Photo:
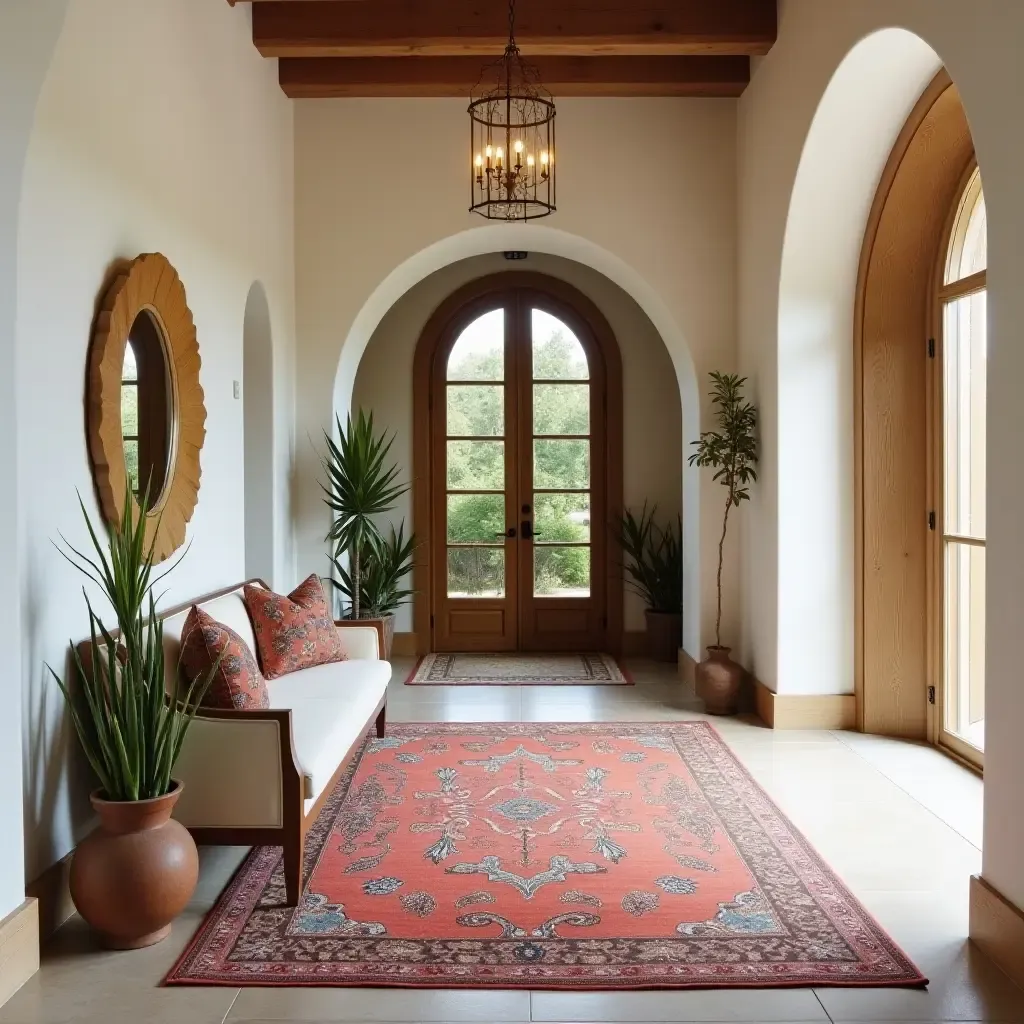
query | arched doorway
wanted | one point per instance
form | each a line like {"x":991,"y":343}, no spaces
{"x":518,"y":469}
{"x":258,"y":417}
{"x":899,"y":418}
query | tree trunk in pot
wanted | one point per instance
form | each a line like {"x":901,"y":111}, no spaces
{"x":132,"y":876}
{"x":664,"y":634}
{"x":718,"y":682}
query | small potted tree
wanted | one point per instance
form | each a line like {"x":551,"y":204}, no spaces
{"x":731,"y":451}
{"x":362,"y":487}
{"x":135,"y":873}
{"x":382,"y":572}
{"x":654,"y":571}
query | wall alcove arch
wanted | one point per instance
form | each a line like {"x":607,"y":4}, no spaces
{"x":892,"y":410}
{"x":258,"y":432}
{"x":604,"y":610}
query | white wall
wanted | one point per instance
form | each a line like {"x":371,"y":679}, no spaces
{"x":28,"y":34}
{"x":159,"y":127}
{"x":652,"y":422}
{"x":979,"y":44}
{"x":646,"y":196}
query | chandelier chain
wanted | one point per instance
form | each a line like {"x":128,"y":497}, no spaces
{"x":512,"y":48}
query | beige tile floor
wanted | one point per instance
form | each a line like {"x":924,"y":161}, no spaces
{"x":899,"y":822}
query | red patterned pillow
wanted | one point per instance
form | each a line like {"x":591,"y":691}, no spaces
{"x":293,"y":632}
{"x":238,"y":683}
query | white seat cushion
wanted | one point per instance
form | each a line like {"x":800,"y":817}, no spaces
{"x":330,"y":706}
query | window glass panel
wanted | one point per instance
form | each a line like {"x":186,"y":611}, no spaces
{"x":561,"y":518}
{"x":129,"y":369}
{"x":557,"y":352}
{"x":476,"y":572}
{"x":968,"y":242}
{"x":131,"y":462}
{"x":479,"y":351}
{"x":475,"y":518}
{"x":964,"y":704}
{"x":476,"y":410}
{"x":964,"y":359}
{"x":476,"y":465}
{"x":561,"y":408}
{"x":561,"y":572}
{"x":560,"y":464}
{"x":130,"y":410}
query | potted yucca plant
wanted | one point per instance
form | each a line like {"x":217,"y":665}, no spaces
{"x":731,"y":451}
{"x":654,"y":571}
{"x":361,"y":486}
{"x":134,"y":874}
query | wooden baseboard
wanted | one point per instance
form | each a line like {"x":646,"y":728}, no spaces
{"x":52,"y":890}
{"x":997,"y":929}
{"x":805,"y":711}
{"x":19,"y":948}
{"x":405,"y":645}
{"x":687,"y":668}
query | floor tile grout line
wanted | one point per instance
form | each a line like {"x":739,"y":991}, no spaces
{"x":822,"y":1005}
{"x":227,"y":1012}
{"x":906,"y":791}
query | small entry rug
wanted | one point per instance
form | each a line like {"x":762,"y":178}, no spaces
{"x":594,"y":856}
{"x":518,"y":670}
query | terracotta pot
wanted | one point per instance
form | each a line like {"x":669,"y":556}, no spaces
{"x":664,"y":634}
{"x":133,"y":875}
{"x":718,"y":682}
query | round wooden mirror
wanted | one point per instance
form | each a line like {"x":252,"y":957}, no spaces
{"x":146,"y":416}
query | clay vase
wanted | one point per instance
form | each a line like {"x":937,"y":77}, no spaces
{"x":132,"y":876}
{"x":664,"y":634}
{"x":718,"y":682}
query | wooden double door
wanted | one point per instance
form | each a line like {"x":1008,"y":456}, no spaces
{"x":519,"y":477}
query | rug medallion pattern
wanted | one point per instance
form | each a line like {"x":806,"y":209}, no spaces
{"x":546,"y":856}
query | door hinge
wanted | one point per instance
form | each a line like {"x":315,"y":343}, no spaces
{"x":931,"y":520}
{"x":931,"y":348}
{"x":931,"y":694}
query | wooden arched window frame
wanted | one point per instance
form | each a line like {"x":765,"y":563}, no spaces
{"x":589,"y":324}
{"x":957,"y":396}
{"x":893,"y":465}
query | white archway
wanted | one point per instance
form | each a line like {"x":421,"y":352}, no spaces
{"x":28,"y":37}
{"x":856,"y":123}
{"x":258,"y":419}
{"x":537,"y":238}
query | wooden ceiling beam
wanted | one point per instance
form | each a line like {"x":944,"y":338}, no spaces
{"x":449,"y":28}
{"x":333,"y":77}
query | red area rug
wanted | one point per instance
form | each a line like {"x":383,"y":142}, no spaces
{"x":562,"y":856}
{"x":518,"y":670}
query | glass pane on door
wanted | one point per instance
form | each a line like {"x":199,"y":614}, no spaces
{"x":475,"y":457}
{"x":561,"y":460}
{"x":964,"y":382}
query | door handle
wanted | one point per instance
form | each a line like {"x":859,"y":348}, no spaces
{"x":527,"y":530}
{"x":510,"y":533}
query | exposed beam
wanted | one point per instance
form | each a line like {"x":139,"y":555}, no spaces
{"x":439,"y":28}
{"x":322,"y":77}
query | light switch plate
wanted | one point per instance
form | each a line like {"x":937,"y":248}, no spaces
{"x":236,"y":388}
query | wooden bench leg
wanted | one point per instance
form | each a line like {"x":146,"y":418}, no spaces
{"x":293,"y":851}
{"x":382,"y":721}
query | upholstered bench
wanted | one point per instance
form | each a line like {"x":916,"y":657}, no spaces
{"x":261,"y":777}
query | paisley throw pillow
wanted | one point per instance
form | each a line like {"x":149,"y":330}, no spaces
{"x":238,"y":683}
{"x":293,"y":632}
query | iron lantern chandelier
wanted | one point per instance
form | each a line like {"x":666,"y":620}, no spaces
{"x":512,"y":139}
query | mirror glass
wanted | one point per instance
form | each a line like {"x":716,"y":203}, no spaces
{"x":145,"y":408}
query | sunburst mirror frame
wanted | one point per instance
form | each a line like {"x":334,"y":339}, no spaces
{"x":149,"y":284}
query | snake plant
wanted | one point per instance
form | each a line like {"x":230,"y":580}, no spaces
{"x":654,"y":560}
{"x":130,"y":731}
